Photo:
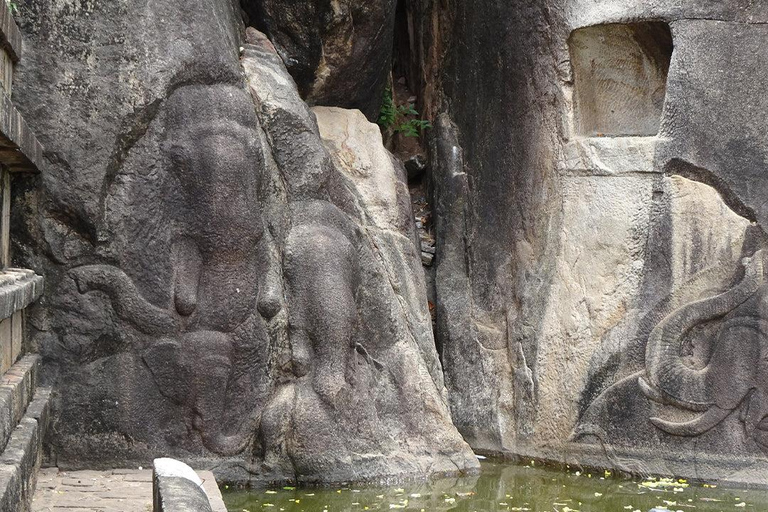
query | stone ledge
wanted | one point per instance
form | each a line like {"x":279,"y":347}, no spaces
{"x":177,"y":488}
{"x":20,"y":461}
{"x":11,"y":488}
{"x":608,"y":156}
{"x":16,"y":389}
{"x":18,"y":289}
{"x":10,"y":35}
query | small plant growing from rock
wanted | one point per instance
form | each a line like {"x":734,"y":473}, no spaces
{"x":401,"y":118}
{"x":13,"y":6}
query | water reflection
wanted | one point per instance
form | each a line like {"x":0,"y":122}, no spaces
{"x":502,"y":487}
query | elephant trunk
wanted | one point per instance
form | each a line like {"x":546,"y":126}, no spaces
{"x":677,"y":382}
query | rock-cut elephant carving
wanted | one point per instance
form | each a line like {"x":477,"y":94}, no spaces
{"x":201,"y":343}
{"x":735,"y":375}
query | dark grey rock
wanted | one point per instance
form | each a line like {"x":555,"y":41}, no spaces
{"x":339,"y":53}
{"x":219,"y":287}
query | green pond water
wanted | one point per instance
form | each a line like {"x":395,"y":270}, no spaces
{"x":504,"y":486}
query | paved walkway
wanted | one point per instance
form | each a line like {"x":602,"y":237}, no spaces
{"x":118,"y":490}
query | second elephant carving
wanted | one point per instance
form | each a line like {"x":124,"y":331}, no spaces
{"x":735,"y":375}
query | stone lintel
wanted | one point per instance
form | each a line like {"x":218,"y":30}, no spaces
{"x":608,"y":156}
{"x":10,"y":35}
{"x":18,"y":289}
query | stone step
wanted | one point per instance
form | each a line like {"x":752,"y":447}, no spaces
{"x":17,"y":386}
{"x":21,"y":458}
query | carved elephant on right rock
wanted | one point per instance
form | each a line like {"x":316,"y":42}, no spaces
{"x":731,"y":376}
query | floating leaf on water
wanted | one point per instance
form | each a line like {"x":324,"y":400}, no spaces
{"x":289,"y":488}
{"x":270,"y":492}
{"x":742,"y":504}
{"x":598,"y":494}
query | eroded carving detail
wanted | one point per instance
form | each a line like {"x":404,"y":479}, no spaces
{"x":218,"y":283}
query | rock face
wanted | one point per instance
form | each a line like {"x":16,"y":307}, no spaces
{"x":600,"y":287}
{"x":224,"y":286}
{"x":338,"y":51}
{"x":233,"y":277}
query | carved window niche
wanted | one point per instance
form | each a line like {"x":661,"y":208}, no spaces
{"x":620,"y":78}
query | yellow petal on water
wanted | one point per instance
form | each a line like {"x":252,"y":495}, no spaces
{"x":742,"y":504}
{"x":270,"y":492}
{"x":598,"y":494}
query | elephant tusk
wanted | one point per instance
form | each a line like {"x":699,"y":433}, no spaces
{"x":696,"y":427}
{"x":649,"y":391}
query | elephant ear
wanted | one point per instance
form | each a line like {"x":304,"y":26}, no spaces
{"x":164,"y":361}
{"x":733,"y":367}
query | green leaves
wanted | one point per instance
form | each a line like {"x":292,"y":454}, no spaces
{"x":401,"y":119}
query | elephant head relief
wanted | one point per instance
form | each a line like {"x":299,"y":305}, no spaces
{"x":735,"y":375}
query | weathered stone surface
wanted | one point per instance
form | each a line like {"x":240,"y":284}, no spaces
{"x":358,"y":357}
{"x":16,"y":391}
{"x":339,"y":52}
{"x":115,"y":490}
{"x":18,"y":289}
{"x":570,"y":264}
{"x":11,"y":489}
{"x":177,"y":488}
{"x":224,"y":286}
{"x":22,"y":454}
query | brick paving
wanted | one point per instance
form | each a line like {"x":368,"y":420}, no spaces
{"x":118,"y":490}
